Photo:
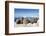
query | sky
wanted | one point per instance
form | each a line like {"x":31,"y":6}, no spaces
{"x":18,"y":12}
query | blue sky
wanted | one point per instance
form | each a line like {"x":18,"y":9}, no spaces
{"x":25,"y":12}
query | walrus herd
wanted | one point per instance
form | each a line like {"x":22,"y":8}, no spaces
{"x":26,"y":20}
